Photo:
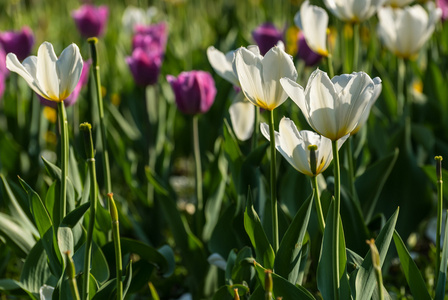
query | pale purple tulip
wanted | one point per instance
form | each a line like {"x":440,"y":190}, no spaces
{"x":145,"y":66}
{"x":267,"y":36}
{"x":70,"y":100}
{"x":310,"y":57}
{"x":443,"y":5}
{"x":151,"y":37}
{"x":18,"y":42}
{"x":194,"y":91}
{"x":91,"y":20}
{"x":3,"y":69}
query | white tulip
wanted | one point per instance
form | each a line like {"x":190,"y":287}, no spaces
{"x":376,"y":93}
{"x":46,"y":292}
{"x":333,"y":107}
{"x":51,"y":77}
{"x":354,"y":11}
{"x":293,"y":145}
{"x":259,"y":76}
{"x":404,"y":31}
{"x":313,"y":21}
{"x":222,"y":64}
{"x":397,"y":3}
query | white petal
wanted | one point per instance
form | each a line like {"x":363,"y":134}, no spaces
{"x":242,"y":116}
{"x":47,"y":75}
{"x":46,"y":292}
{"x":249,"y":69}
{"x":313,"y":21}
{"x":25,"y":71}
{"x":69,"y":68}
{"x":222,"y":64}
{"x":296,"y":93}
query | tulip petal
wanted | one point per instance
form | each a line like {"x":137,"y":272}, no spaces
{"x":296,"y":93}
{"x":242,"y":116}
{"x":47,"y":75}
{"x":276,"y":64}
{"x":27,"y":70}
{"x":222,"y":64}
{"x":69,"y":68}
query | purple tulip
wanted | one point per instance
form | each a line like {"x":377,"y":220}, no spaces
{"x":3,"y":70}
{"x":91,"y":20}
{"x":151,"y":37}
{"x":310,"y":57}
{"x":267,"y":36}
{"x":194,"y":91}
{"x":443,"y":5}
{"x":145,"y":66}
{"x":18,"y":42}
{"x":70,"y":100}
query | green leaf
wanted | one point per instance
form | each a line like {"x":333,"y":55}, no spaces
{"x":263,"y":249}
{"x":282,"y":287}
{"x":363,"y":281}
{"x":11,"y":285}
{"x":288,"y":258}
{"x":128,"y":279}
{"x":411,"y":271}
{"x":325,"y":265}
{"x":35,"y":272}
{"x":441,"y":282}
{"x":431,"y":173}
{"x":99,"y":267}
{"x":16,"y":237}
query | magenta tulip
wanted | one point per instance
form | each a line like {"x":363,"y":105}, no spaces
{"x":267,"y":36}
{"x":194,"y":91}
{"x":443,"y":5}
{"x":91,"y":20}
{"x":18,"y":42}
{"x":145,"y":66}
{"x":151,"y":38}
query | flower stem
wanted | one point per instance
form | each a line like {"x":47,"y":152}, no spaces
{"x":96,"y":73}
{"x":64,"y":160}
{"x":337,"y":207}
{"x":351,"y":169}
{"x":256,"y":128}
{"x":439,"y":213}
{"x":197,"y":158}
{"x":401,"y":87}
{"x":320,"y":215}
{"x":273,"y":185}
{"x":355,"y":46}
{"x":72,"y":276}
{"x":330,"y":66}
{"x":117,"y":245}
{"x":90,"y":153}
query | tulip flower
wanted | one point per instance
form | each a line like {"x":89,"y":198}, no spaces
{"x":293,"y":145}
{"x":3,"y":69}
{"x":313,"y":21}
{"x":365,"y":115}
{"x":305,"y":53}
{"x":194,"y":91}
{"x":333,"y":107}
{"x":151,"y":38}
{"x":353,"y":11}
{"x":18,"y":42}
{"x":70,"y":100}
{"x":267,"y":36}
{"x":91,"y":20}
{"x":259,"y":76}
{"x":133,"y":16}
{"x":49,"y":76}
{"x":397,"y":3}
{"x":404,"y":31}
{"x":443,"y":5}
{"x":145,"y":66}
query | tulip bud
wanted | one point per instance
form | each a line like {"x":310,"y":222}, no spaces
{"x":236,"y":296}
{"x":267,"y":36}
{"x":439,"y":167}
{"x":145,"y":66}
{"x":194,"y":91}
{"x":18,"y":42}
{"x":91,"y":20}
{"x":151,"y":38}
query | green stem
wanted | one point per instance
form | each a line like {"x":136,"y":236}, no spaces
{"x":64,"y":160}
{"x":379,"y":280}
{"x":401,"y":87}
{"x":320,"y":215}
{"x":197,"y":158}
{"x":90,"y":153}
{"x":439,"y":214}
{"x":330,"y":66}
{"x":99,"y":97}
{"x":351,"y":169}
{"x":72,"y":276}
{"x":256,"y":128}
{"x":337,"y":208}
{"x":117,"y":245}
{"x":355,"y":46}
{"x":273,"y":185}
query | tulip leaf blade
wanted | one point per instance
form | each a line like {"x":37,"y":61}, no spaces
{"x":263,"y":249}
{"x":288,"y":258}
{"x":441,"y":282}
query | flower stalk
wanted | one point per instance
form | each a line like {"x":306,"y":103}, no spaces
{"x":72,"y":276}
{"x":117,"y":245}
{"x":96,"y":74}
{"x":273,"y":185}
{"x":268,"y":284}
{"x":356,"y":27}
{"x":197,"y":158}
{"x":376,"y":262}
{"x":337,"y":208}
{"x":86,"y":128}
{"x":62,"y":116}
{"x":439,"y":212}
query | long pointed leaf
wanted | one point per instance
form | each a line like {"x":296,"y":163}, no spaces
{"x":441,"y":282}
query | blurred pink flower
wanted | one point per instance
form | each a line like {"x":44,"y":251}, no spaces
{"x":70,"y":100}
{"x":2,"y":84}
{"x":3,"y":70}
{"x":310,"y":57}
{"x":18,"y":42}
{"x":145,"y":66}
{"x":91,"y":20}
{"x":194,"y":91}
{"x":150,"y":37}
{"x":443,"y":5}
{"x":267,"y":36}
